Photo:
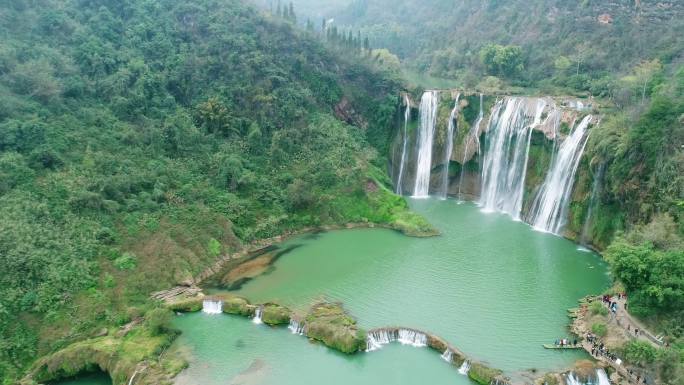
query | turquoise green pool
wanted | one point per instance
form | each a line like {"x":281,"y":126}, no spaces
{"x":231,"y":350}
{"x":493,"y":287}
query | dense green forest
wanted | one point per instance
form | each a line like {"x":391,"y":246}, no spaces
{"x":579,"y":45}
{"x":140,"y":140}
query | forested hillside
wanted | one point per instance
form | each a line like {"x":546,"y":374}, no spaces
{"x":582,"y":45}
{"x":140,"y":140}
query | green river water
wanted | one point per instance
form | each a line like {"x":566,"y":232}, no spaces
{"x":492,"y":287}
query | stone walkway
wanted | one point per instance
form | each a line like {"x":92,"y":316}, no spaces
{"x":629,"y":324}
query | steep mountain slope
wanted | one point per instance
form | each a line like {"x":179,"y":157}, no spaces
{"x":588,"y":39}
{"x":140,"y":140}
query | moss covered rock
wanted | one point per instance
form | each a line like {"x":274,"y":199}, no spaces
{"x":274,"y":314}
{"x":482,"y":374}
{"x":237,"y":306}
{"x":186,"y":305}
{"x":118,"y":356}
{"x":330,"y":324}
{"x":413,"y":225}
{"x":441,"y":345}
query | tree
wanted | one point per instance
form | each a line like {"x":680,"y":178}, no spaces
{"x":214,"y":117}
{"x":644,"y":73}
{"x":506,"y":61}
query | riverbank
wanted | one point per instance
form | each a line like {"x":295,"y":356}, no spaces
{"x":413,"y":226}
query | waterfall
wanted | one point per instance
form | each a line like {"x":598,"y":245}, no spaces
{"x":474,"y":134}
{"x":592,"y":201}
{"x":465,"y":368}
{"x":428,"y":119}
{"x":449,"y":147}
{"x":448,"y":355}
{"x":296,"y":327}
{"x":257,"y":315}
{"x":602,"y":377}
{"x":210,"y":306}
{"x":376,"y":338}
{"x":412,"y":337}
{"x":551,"y":203}
{"x":554,"y":119}
{"x":407,"y":117}
{"x":570,"y":379}
{"x":507,"y":150}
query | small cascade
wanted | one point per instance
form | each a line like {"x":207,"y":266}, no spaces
{"x":592,"y":202}
{"x":407,"y":117}
{"x":571,"y":379}
{"x":257,"y":315}
{"x":428,"y":119}
{"x":210,"y":306}
{"x":412,"y":337}
{"x":296,"y":327}
{"x":377,"y":338}
{"x":506,"y":154}
{"x":551,"y":203}
{"x":473,"y":135}
{"x":448,"y":355}
{"x":465,"y":368}
{"x":602,"y":377}
{"x":453,"y":125}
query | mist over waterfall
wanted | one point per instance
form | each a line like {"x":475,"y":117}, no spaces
{"x":449,"y":146}
{"x":212,"y":307}
{"x":426,"y":132}
{"x":407,"y":117}
{"x":473,"y":136}
{"x":550,"y":205}
{"x":506,"y":154}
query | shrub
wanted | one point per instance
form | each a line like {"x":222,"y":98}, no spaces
{"x":599,"y":329}
{"x":598,"y":308}
{"x":158,"y":321}
{"x":126,"y":262}
{"x":214,"y":247}
{"x":639,"y":352}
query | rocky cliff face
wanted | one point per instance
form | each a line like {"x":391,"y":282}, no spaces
{"x":536,"y":129}
{"x":469,"y":140}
